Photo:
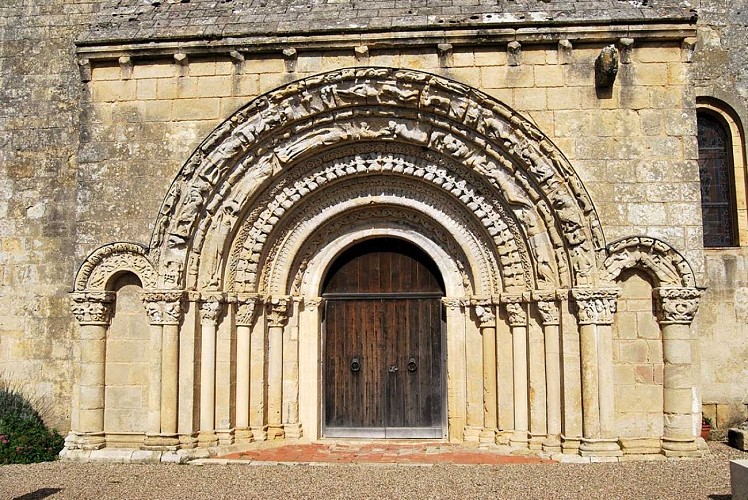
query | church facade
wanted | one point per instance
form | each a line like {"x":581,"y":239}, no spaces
{"x":510,"y":226}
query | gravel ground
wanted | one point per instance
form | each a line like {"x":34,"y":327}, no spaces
{"x":707,"y":478}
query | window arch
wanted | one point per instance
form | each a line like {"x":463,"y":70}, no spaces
{"x":722,"y":175}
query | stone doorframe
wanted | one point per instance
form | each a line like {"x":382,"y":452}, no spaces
{"x":265,"y":204}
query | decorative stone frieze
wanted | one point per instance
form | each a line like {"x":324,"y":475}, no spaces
{"x":455,"y":303}
{"x":92,"y":308}
{"x":164,"y":307}
{"x":105,"y":262}
{"x":595,"y":306}
{"x":677,"y":305}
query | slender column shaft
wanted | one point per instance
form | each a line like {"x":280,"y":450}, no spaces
{"x":242,"y":376}
{"x":605,"y":381}
{"x":170,"y":379}
{"x":548,"y":307}
{"x":154,"y":384}
{"x":210,"y":310}
{"x":93,"y":354}
{"x":490,"y":401}
{"x":207,"y":376}
{"x":516,"y":310}
{"x":456,"y":385}
{"x":277,"y":318}
{"x":590,"y":388}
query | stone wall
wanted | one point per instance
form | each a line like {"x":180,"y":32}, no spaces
{"x":720,"y":71}
{"x":39,"y":129}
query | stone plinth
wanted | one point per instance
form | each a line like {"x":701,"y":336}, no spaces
{"x":738,"y":438}
{"x":739,"y":479}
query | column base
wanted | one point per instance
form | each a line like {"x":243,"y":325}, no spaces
{"x":552,"y":443}
{"x":206,"y":439}
{"x":85,"y":441}
{"x":225,"y":437}
{"x":187,"y":441}
{"x":487,"y":437}
{"x":502,"y":438}
{"x":600,"y":448}
{"x":570,"y":445}
{"x":535,"y":442}
{"x":244,"y":436}
{"x":293,"y":431}
{"x":260,"y":433}
{"x":681,"y":448}
{"x":519,"y":439}
{"x":472,"y":434}
{"x":160,"y":442}
{"x":275,"y":431}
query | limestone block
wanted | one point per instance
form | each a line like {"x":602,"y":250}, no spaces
{"x":213,"y":86}
{"x":196,"y":109}
{"x":634,"y":351}
{"x":625,"y":324}
{"x":739,"y":479}
{"x":489,"y":57}
{"x":738,"y":438}
{"x":640,"y":446}
{"x":154,"y":70}
{"x":115,"y":90}
{"x":508,"y":77}
{"x":548,"y":76}
{"x":563,"y":97}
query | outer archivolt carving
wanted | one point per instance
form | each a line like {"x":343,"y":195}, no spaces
{"x":280,"y":129}
{"x":103,"y":263}
{"x":668,"y":267}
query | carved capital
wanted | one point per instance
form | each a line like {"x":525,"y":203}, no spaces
{"x":163,"y":307}
{"x":484,"y":311}
{"x":310,"y":304}
{"x":278,"y":310}
{"x":453,"y":303}
{"x":92,"y":308}
{"x":516,"y":308}
{"x":548,"y":305}
{"x":246,"y":309}
{"x":677,"y":305}
{"x":211,"y":306}
{"x":595,"y":306}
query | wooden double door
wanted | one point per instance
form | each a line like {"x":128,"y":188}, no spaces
{"x":383,"y":355}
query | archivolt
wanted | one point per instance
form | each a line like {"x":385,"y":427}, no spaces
{"x":278,"y":131}
{"x":660,"y":260}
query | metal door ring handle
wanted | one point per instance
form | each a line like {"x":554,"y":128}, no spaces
{"x":412,"y":365}
{"x":355,"y":365}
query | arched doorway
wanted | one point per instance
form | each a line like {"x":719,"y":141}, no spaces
{"x":383,"y":352}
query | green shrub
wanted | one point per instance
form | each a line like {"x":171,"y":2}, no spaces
{"x":24,"y":438}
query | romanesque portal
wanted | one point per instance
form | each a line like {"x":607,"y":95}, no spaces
{"x":269,"y":253}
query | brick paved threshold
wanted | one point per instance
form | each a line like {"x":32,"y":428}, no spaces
{"x":376,"y":453}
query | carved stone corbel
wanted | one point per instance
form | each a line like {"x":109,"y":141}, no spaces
{"x":677,"y":305}
{"x":92,"y":308}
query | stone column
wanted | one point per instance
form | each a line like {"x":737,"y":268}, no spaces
{"x":153,"y":309}
{"x":516,"y":308}
{"x":548,"y":307}
{"x":211,"y":306}
{"x":596,"y":308}
{"x":484,"y":312}
{"x":457,"y":380}
{"x":93,"y":311}
{"x":291,"y":426}
{"x":246,"y":308}
{"x":676,"y":308}
{"x":277,"y":313}
{"x":171,"y":309}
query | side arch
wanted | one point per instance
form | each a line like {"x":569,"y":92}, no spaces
{"x":659,"y":260}
{"x":106,"y":262}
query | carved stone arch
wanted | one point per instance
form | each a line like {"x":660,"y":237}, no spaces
{"x":487,"y":238}
{"x":108,"y":261}
{"x":658,"y":259}
{"x":280,"y":130}
{"x":304,"y":240}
